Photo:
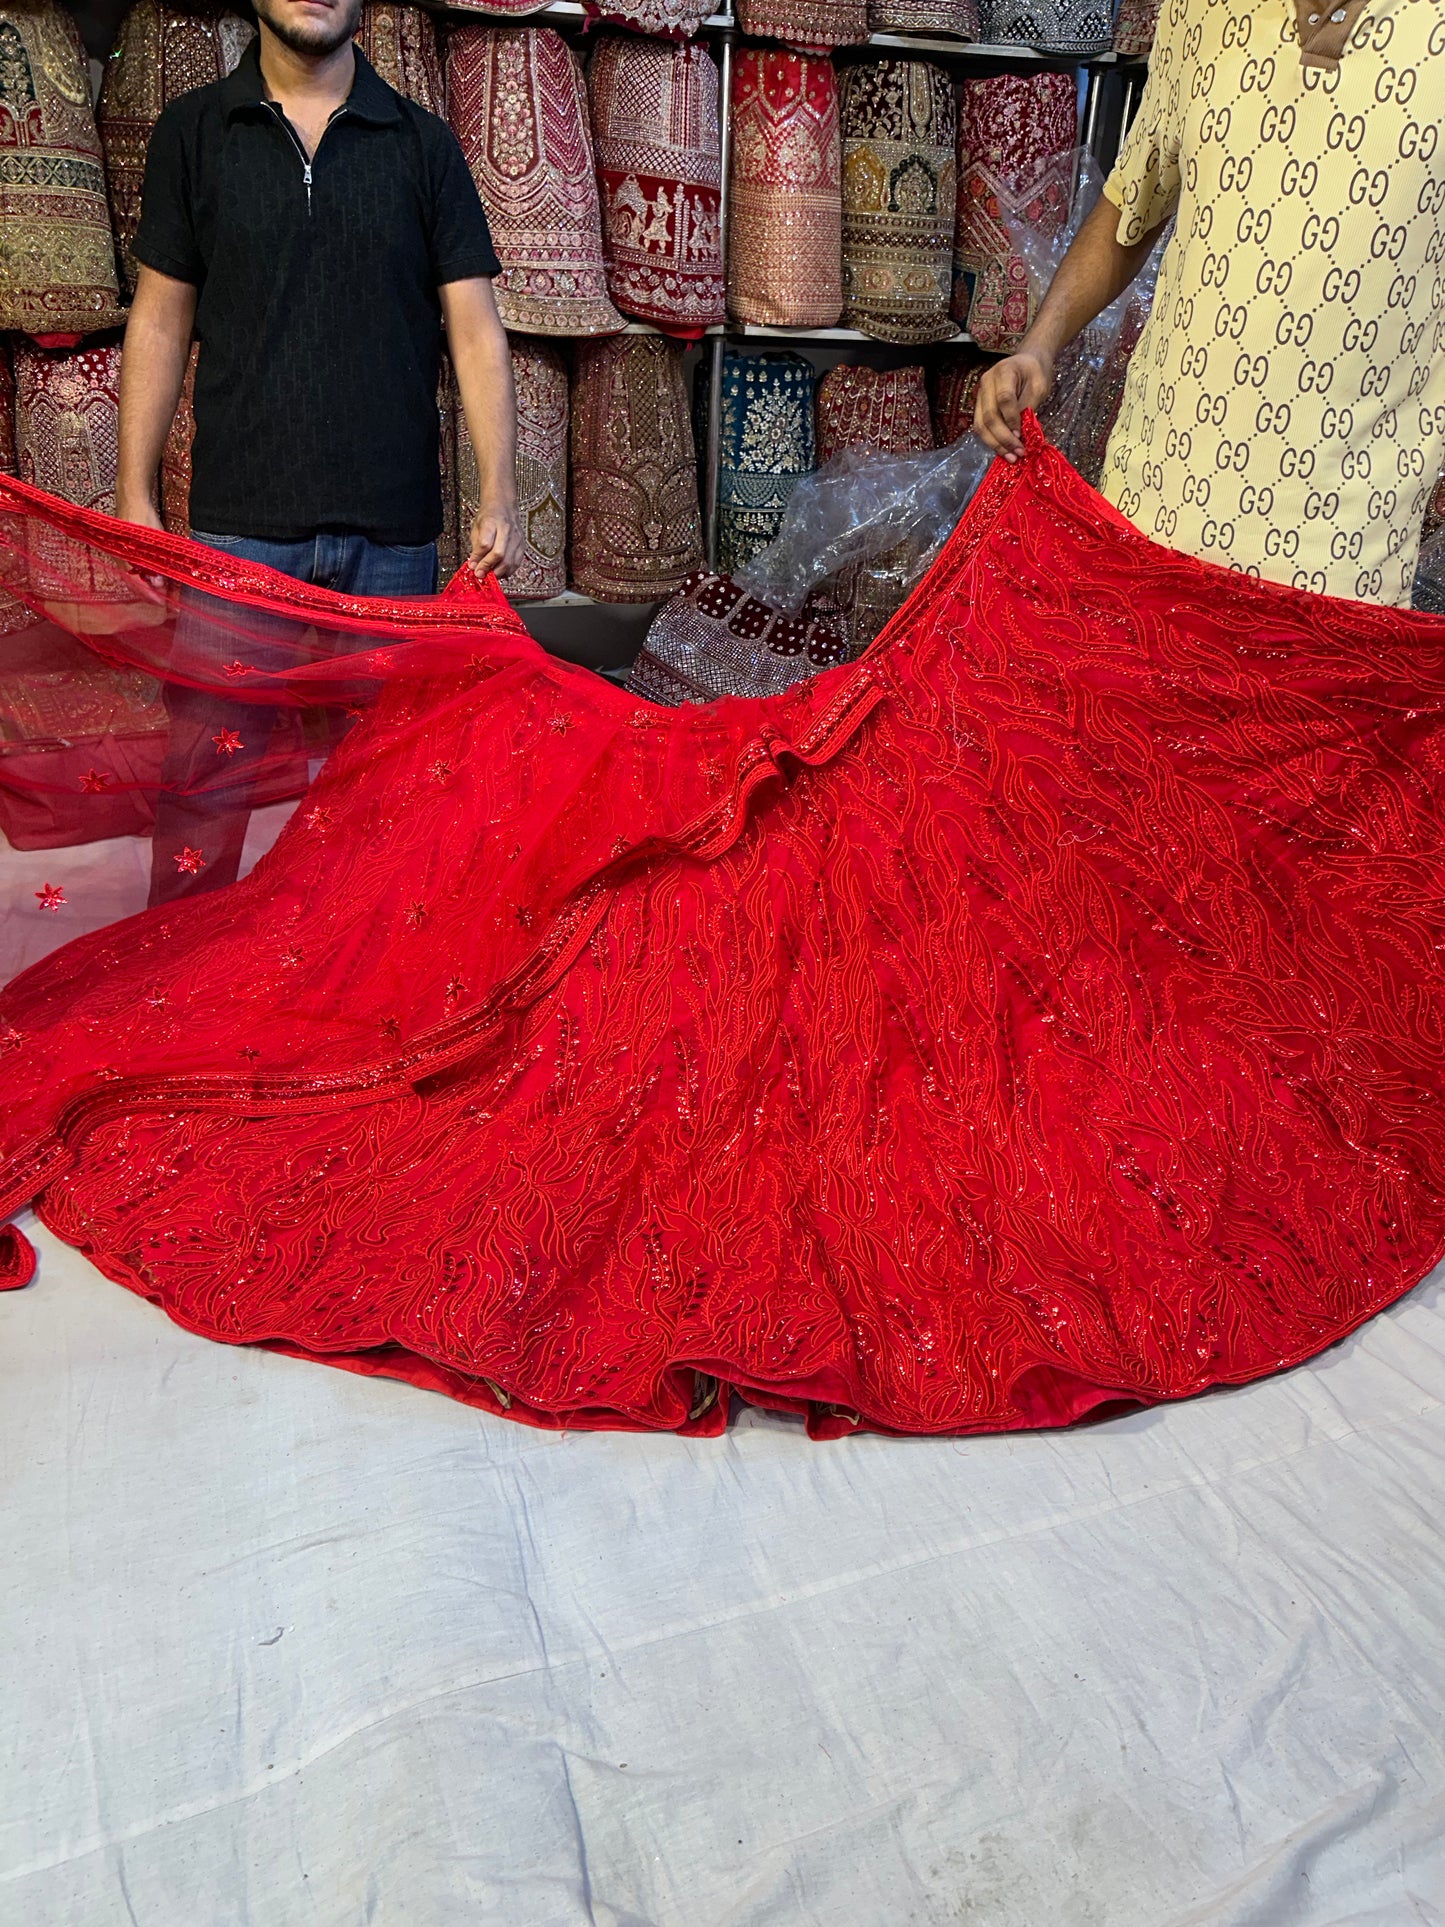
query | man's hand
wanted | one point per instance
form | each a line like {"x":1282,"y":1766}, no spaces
{"x":1007,"y":389}
{"x":496,"y":539}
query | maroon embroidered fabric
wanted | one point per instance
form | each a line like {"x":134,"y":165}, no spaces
{"x":785,"y":226}
{"x":1064,"y":979}
{"x":659,"y":169}
{"x":811,"y":26}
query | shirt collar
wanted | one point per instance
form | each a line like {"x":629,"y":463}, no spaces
{"x":370,"y":98}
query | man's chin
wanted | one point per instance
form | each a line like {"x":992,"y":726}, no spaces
{"x":315,"y":42}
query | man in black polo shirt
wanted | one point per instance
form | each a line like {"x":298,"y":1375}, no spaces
{"x":313,"y":230}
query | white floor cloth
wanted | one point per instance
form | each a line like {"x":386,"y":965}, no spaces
{"x":282,"y":1646}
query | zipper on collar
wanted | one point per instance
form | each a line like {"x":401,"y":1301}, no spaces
{"x":307,"y":160}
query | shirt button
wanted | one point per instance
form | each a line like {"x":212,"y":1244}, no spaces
{"x":1338,"y":15}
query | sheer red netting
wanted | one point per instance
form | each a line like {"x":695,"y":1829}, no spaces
{"x":1043,"y":1012}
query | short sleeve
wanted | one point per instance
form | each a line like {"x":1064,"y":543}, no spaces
{"x":166,"y":237}
{"x":1144,"y":185}
{"x":461,"y":240}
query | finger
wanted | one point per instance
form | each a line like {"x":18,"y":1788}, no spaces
{"x":486,"y":563}
{"x":996,"y":432}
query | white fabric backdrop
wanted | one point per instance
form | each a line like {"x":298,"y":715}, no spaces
{"x":282,"y":1647}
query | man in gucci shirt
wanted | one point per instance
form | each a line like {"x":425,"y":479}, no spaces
{"x":1285,"y":407}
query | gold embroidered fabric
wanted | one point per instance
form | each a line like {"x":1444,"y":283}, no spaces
{"x":160,"y":54}
{"x":57,"y":252}
{"x":540,"y":376}
{"x":636,"y":521}
{"x":401,"y":43}
{"x":900,"y":194}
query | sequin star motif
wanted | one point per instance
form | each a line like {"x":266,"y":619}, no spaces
{"x":392,"y":1026}
{"x":456,"y":990}
{"x":50,"y":896}
{"x":238,"y":668}
{"x":227,"y":743}
{"x":415,"y":914}
{"x":561,"y":724}
{"x":189,"y":861}
{"x":290,"y":959}
{"x":353,"y":710}
{"x":249,"y":1051}
{"x":94,"y":781}
{"x":319,"y":818}
{"x":441,"y":771}
{"x":10,"y":1038}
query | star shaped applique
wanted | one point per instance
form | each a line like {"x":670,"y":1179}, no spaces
{"x":561,"y":724}
{"x":238,"y":668}
{"x":415,"y":914}
{"x":227,"y":743}
{"x":10,"y":1038}
{"x":319,"y":818}
{"x":189,"y":862}
{"x":94,"y":781}
{"x":456,"y":990}
{"x":440,"y":770}
{"x":50,"y":896}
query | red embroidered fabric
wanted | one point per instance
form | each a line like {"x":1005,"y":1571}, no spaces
{"x":1042,"y":1012}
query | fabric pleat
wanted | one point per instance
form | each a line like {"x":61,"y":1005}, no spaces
{"x":899,"y":199}
{"x":785,"y":224}
{"x":57,"y":249}
{"x":1016,"y":135}
{"x":659,"y":167}
{"x":517,"y":102}
{"x":636,"y":522}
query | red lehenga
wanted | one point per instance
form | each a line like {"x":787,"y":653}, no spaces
{"x":1043,"y":1012}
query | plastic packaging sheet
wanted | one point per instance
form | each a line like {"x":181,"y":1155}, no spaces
{"x":282,"y":1647}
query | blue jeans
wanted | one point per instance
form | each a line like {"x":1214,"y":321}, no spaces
{"x":205,"y":807}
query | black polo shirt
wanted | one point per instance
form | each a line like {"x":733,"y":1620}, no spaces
{"x":318,"y":315}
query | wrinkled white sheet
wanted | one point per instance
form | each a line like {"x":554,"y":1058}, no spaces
{"x":282,"y":1646}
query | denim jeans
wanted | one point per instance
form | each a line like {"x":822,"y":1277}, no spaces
{"x":204,"y":806}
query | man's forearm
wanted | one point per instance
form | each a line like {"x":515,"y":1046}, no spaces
{"x":1095,"y":271}
{"x":152,"y":371}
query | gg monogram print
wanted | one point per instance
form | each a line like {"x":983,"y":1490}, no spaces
{"x":1285,"y":408}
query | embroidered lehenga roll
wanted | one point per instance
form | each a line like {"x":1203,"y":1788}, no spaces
{"x":57,"y":251}
{"x":401,"y":43}
{"x":1134,"y":27}
{"x":659,"y":168}
{"x":959,"y":18}
{"x":880,"y":412}
{"x":899,"y":199}
{"x":175,"y":476}
{"x":66,"y":416}
{"x":714,"y":639}
{"x":812,"y":26}
{"x":1078,"y":27}
{"x":636,"y":524}
{"x":1016,"y":135}
{"x":162,"y":52}
{"x":13,"y":615}
{"x":517,"y":102}
{"x":785,"y":225}
{"x":766,"y":441}
{"x":673,"y":19}
{"x":953,"y":393}
{"x":449,"y":543}
{"x":540,"y":376}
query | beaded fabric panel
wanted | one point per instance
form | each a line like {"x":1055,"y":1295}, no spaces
{"x":659,"y":168}
{"x":161,"y":54}
{"x":57,"y":251}
{"x":175,"y":477}
{"x":1082,"y":27}
{"x":785,"y":227}
{"x":899,"y":199}
{"x":401,"y":43}
{"x":518,"y":104}
{"x":636,"y":522}
{"x":812,"y":26}
{"x":540,"y":376}
{"x":671,"y":19}
{"x":66,"y":414}
{"x":953,"y":393}
{"x":1016,"y":135}
{"x":13,"y":615}
{"x":887,"y":412}
{"x":957,"y":17}
{"x":766,"y":440}
{"x":883,"y":410}
{"x":1134,"y":27}
{"x":714,"y":639}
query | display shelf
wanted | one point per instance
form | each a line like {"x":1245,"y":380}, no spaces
{"x":760,"y":331}
{"x":561,"y":13}
{"x":917,"y":43}
{"x":649,"y":328}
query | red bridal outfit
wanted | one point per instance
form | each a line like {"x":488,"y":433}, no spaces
{"x":1045,"y":1011}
